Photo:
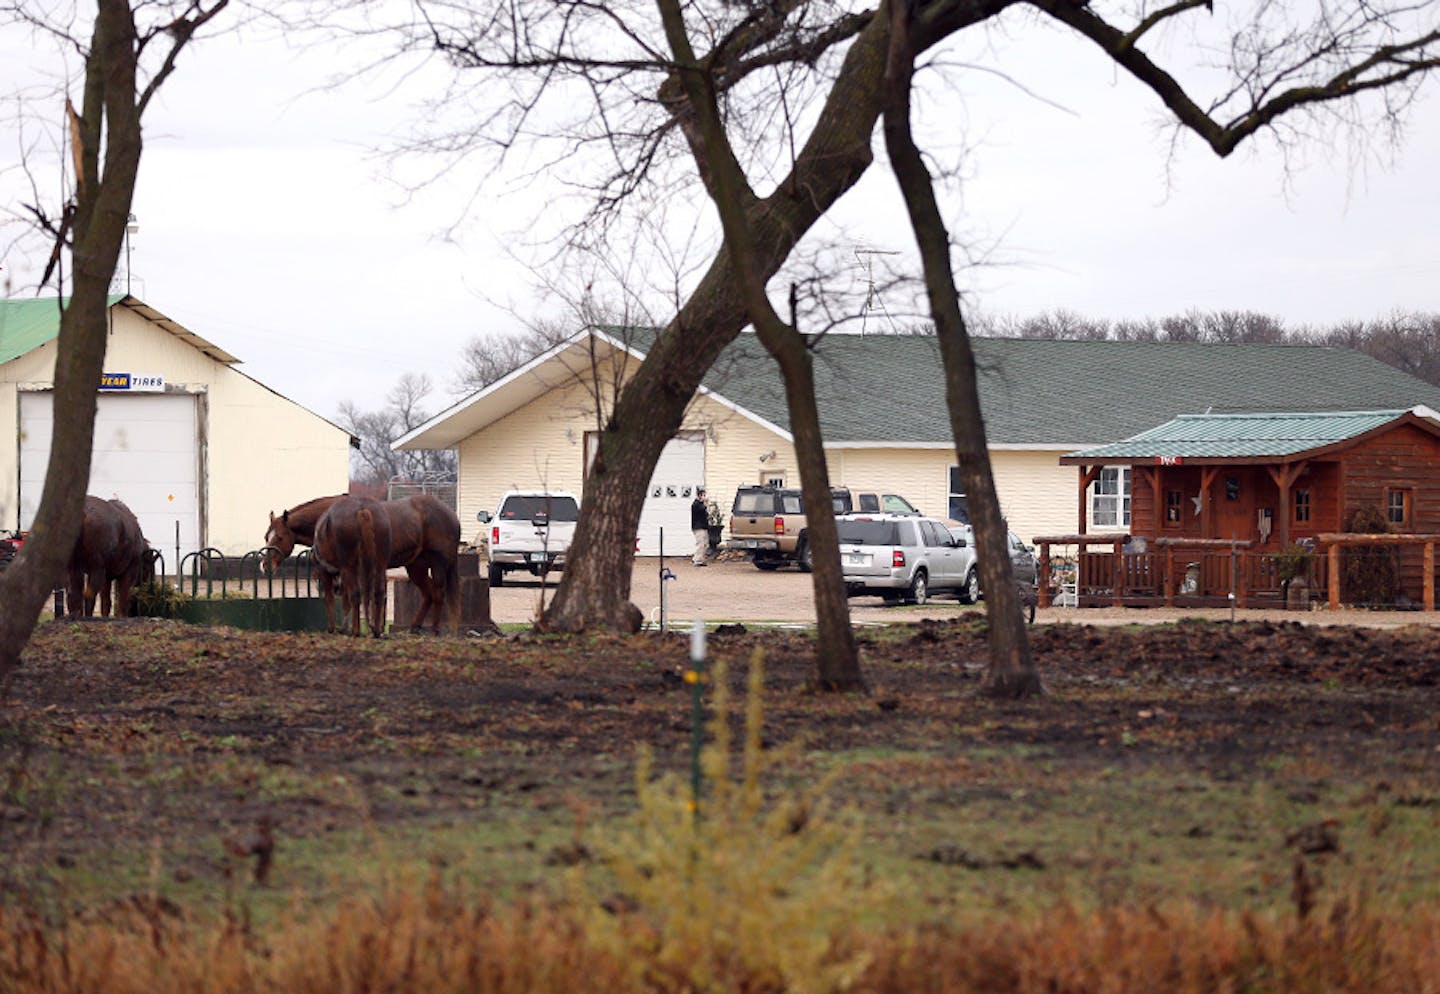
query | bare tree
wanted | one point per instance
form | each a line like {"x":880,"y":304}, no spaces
{"x":376,"y":461}
{"x":125,"y":63}
{"x":490,"y":355}
{"x":837,"y":654}
{"x":1287,"y":73}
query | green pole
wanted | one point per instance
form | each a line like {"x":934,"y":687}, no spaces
{"x":695,"y":676}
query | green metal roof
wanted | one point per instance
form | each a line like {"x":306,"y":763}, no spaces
{"x":890,"y":389}
{"x":1242,"y":436}
{"x":26,"y":325}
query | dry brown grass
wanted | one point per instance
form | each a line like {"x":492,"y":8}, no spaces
{"x":430,"y":939}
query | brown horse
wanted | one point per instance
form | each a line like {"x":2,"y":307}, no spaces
{"x":424,"y":539}
{"x":109,"y":549}
{"x":352,"y":542}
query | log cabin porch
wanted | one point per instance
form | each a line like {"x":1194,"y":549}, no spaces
{"x":1247,"y":511}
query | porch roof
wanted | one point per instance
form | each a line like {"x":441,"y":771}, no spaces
{"x":1246,"y":437}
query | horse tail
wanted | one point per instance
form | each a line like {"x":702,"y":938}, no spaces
{"x":371,"y":568}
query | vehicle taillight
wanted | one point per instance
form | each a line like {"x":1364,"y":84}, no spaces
{"x":495,"y":535}
{"x":897,"y":559}
{"x":779,"y":525}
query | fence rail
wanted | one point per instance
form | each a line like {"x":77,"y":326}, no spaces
{"x":1092,"y":571}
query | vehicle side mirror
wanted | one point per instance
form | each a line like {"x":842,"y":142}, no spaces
{"x":483,"y":517}
{"x":959,"y":543}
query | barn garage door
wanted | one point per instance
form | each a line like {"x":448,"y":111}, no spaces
{"x":667,"y":503}
{"x":146,"y":453}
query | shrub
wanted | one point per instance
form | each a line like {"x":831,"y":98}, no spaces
{"x":1369,"y":575}
{"x":732,"y":892}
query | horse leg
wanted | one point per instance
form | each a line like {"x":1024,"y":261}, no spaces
{"x":94,"y":583}
{"x":419,"y":573}
{"x":349,"y":588}
{"x":377,"y":601}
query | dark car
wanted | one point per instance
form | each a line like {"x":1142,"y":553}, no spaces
{"x":1022,"y":559}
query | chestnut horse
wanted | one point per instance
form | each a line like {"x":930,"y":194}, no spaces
{"x":109,"y":549}
{"x":424,"y":538}
{"x":352,"y":542}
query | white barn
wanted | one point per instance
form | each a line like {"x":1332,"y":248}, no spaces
{"x":198,"y":450}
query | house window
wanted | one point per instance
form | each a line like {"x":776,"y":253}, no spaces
{"x":1110,"y":498}
{"x":1302,"y":506}
{"x":1174,"y":502}
{"x":957,"y":506}
{"x":1397,"y":507}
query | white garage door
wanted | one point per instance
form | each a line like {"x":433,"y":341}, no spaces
{"x":146,"y":453}
{"x":667,"y":503}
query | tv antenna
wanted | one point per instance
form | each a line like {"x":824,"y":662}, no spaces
{"x":866,"y":260}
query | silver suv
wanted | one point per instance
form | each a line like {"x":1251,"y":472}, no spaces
{"x":902,"y":557}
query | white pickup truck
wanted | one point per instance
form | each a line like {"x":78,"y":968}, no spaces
{"x":530,"y":530}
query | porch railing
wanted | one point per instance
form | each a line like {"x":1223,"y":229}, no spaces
{"x":1109,"y":570}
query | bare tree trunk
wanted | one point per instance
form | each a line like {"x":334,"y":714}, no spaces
{"x":1012,"y":670}
{"x":837,"y":655}
{"x":109,"y":120}
{"x":101,"y":209}
{"x":595,"y":587}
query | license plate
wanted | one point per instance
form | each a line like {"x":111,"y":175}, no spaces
{"x":856,"y":559}
{"x":537,"y":557}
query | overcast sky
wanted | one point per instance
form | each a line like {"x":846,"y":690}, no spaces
{"x":266,"y":226}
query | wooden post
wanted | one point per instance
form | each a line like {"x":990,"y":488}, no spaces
{"x":1118,"y":575}
{"x":1429,"y":576}
{"x":1237,"y":565}
{"x":1334,"y":559}
{"x":1169,"y":580}
{"x":1043,"y":594}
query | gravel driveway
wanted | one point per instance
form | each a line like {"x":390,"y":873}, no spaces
{"x":735,"y":590}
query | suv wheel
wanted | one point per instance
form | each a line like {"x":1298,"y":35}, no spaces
{"x":970,"y":592}
{"x":806,"y":558}
{"x":497,"y":575}
{"x":919,"y":588}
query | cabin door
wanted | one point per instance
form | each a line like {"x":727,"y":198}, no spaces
{"x":1233,"y":499}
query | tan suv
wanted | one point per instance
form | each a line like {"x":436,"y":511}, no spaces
{"x":769,"y":523}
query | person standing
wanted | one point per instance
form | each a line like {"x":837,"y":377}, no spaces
{"x":700,"y":527}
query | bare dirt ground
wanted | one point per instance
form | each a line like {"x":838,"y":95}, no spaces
{"x":734,"y":590}
{"x":126,"y":737}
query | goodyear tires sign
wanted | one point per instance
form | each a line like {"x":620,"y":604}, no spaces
{"x":132,"y":382}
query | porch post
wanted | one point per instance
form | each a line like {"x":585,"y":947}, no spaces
{"x":1170,"y":576}
{"x":1429,"y":576}
{"x":1285,"y":477}
{"x":1156,"y":485}
{"x":1087,"y":477}
{"x":1207,"y":479}
{"x":1118,"y":595}
{"x":1043,"y":594}
{"x":1334,"y":557}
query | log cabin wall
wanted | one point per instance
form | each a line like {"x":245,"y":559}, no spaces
{"x":1400,"y":467}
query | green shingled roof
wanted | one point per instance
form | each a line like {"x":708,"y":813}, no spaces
{"x":1242,"y":436}
{"x":889,"y":389}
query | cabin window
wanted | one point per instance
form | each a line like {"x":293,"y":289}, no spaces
{"x":1174,"y":502}
{"x":956,"y":503}
{"x":1110,"y":498}
{"x":1397,"y":507}
{"x":1302,"y":506}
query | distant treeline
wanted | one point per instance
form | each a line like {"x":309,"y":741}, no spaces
{"x":1410,"y":342}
